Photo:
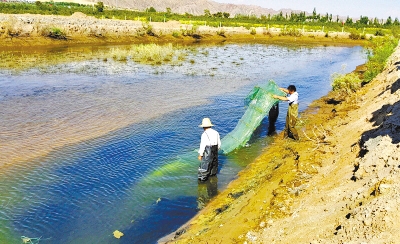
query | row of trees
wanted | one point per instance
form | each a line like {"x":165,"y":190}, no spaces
{"x":327,"y":18}
{"x":300,"y":17}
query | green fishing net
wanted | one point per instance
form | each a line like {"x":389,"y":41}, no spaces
{"x":258,"y":102}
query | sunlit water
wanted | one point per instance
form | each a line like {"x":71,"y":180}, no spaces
{"x":89,"y":147}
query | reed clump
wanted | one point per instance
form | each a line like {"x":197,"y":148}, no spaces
{"x":346,"y":83}
{"x":291,"y":32}
{"x":56,"y":33}
{"x":154,"y":53}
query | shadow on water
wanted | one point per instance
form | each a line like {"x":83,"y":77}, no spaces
{"x":167,"y":215}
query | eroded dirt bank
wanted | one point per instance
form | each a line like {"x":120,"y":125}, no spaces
{"x":21,"y":30}
{"x":339,"y":184}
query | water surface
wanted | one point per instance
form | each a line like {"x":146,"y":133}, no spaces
{"x":88,"y":147}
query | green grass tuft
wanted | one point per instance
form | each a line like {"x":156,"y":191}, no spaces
{"x":346,"y":83}
{"x":382,"y":48}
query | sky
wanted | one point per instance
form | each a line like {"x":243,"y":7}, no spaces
{"x":381,"y":9}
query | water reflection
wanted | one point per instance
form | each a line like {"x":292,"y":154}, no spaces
{"x":272,"y":118}
{"x":206,"y":190}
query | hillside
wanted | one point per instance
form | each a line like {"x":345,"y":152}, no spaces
{"x":195,"y":7}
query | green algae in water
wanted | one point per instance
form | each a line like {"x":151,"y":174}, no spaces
{"x":170,"y":168}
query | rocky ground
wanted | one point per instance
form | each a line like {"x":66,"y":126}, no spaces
{"x":339,"y":184}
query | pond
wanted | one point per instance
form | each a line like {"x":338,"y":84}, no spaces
{"x":90,"y":146}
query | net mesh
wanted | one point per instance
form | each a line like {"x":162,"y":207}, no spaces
{"x":258,"y":102}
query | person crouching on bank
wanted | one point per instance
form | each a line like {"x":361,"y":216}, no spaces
{"x":208,"y":152}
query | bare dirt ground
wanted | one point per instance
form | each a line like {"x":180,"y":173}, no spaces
{"x":339,"y":184}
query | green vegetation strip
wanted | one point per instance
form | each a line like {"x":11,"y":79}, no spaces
{"x":382,"y":48}
{"x":380,"y":51}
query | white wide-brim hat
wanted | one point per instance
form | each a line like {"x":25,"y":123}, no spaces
{"x":206,"y":123}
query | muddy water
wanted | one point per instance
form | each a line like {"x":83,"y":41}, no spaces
{"x":88,"y":147}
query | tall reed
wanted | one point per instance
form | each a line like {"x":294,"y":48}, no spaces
{"x":149,"y":53}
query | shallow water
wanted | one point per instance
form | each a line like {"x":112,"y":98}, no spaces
{"x":88,"y":147}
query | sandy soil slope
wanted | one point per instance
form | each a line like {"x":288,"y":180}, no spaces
{"x":339,"y":184}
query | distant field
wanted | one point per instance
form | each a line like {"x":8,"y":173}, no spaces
{"x":76,"y":1}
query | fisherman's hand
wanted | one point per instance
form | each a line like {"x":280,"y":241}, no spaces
{"x":275,"y":96}
{"x":284,"y":90}
{"x":200,"y":157}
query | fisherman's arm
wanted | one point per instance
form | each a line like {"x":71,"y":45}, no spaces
{"x":280,"y":98}
{"x":284,"y":90}
{"x":202,"y":147}
{"x":219,"y":142}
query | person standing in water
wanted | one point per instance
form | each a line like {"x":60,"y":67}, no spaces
{"x":208,"y":151}
{"x":293,"y":110}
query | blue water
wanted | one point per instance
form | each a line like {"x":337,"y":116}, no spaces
{"x":139,"y":178}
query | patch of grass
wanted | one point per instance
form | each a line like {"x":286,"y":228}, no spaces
{"x":221,"y":32}
{"x":253,"y":31}
{"x":190,"y":31}
{"x":354,"y":35}
{"x":379,"y":33}
{"x":205,"y":53}
{"x":346,"y":83}
{"x":146,"y":29}
{"x":56,"y":33}
{"x":119,"y":54}
{"x":382,"y":48}
{"x":175,"y":34}
{"x":155,"y":54}
{"x":291,"y":32}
